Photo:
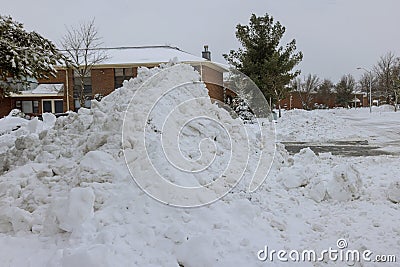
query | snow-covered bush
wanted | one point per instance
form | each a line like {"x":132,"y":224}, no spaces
{"x":243,"y":110}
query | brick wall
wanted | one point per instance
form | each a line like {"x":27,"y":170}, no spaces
{"x":102,"y":81}
{"x":5,"y":106}
{"x":328,"y":101}
{"x":61,"y":78}
{"x":294,"y":100}
{"x":215,"y":91}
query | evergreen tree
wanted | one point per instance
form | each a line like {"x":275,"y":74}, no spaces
{"x":344,"y":90}
{"x":263,"y":59}
{"x":23,"y":55}
{"x":243,"y":110}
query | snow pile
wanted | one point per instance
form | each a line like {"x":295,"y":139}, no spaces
{"x":383,"y":108}
{"x":72,"y":212}
{"x":67,"y":197}
{"x":11,"y":123}
{"x":394,"y":192}
{"x":322,"y":178}
{"x":13,"y":130}
{"x":315,"y":125}
{"x":211,"y":144}
{"x":70,"y":176}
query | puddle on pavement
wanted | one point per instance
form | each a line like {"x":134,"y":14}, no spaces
{"x":358,"y":148}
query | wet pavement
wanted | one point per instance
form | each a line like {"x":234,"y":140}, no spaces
{"x":353,"y":148}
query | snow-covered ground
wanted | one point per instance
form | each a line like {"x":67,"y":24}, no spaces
{"x":67,"y":197}
{"x":380,"y":129}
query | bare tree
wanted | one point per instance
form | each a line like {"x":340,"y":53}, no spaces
{"x":366,"y":78}
{"x":307,"y":88}
{"x":396,"y":84}
{"x":364,"y":81}
{"x":384,"y":70}
{"x":280,"y":91}
{"x":82,"y":46}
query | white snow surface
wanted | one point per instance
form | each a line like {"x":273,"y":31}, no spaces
{"x":51,"y":88}
{"x":68,"y":199}
{"x":144,"y":55}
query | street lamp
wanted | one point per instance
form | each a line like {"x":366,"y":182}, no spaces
{"x":370,"y":87}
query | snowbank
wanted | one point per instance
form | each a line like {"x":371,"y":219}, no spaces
{"x":316,"y":125}
{"x":67,"y":197}
{"x":383,"y":108}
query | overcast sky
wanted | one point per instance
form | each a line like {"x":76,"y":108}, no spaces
{"x":335,"y":36}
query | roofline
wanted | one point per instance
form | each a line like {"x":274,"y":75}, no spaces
{"x":207,"y":63}
{"x":211,"y":64}
{"x":13,"y":95}
{"x":130,"y":47}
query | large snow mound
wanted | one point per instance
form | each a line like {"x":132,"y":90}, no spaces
{"x":67,"y":197}
{"x":69,"y":175}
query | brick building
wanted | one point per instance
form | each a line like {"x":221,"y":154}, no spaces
{"x":295,"y":99}
{"x":59,"y":94}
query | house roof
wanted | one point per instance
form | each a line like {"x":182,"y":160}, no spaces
{"x":48,"y":88}
{"x":148,"y":54}
{"x":43,"y":89}
{"x":152,"y":56}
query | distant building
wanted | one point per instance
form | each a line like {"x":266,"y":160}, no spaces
{"x":295,"y":99}
{"x":59,"y":94}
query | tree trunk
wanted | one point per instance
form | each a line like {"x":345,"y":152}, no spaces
{"x":81,"y":95}
{"x":279,"y":108}
{"x":270,"y":104}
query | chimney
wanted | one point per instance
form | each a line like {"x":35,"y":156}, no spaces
{"x":206,"y":54}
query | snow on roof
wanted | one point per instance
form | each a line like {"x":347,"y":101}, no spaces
{"x":50,"y":88}
{"x":148,"y":54}
{"x":43,"y":89}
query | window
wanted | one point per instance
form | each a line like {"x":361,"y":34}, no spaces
{"x":28,"y":107}
{"x":47,"y":106}
{"x":122,"y":74}
{"x":58,"y":106}
{"x":35,"y":106}
{"x":53,"y":106}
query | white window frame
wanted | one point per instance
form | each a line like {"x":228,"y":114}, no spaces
{"x":53,"y":105}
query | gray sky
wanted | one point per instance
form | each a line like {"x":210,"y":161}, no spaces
{"x":335,"y":36}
